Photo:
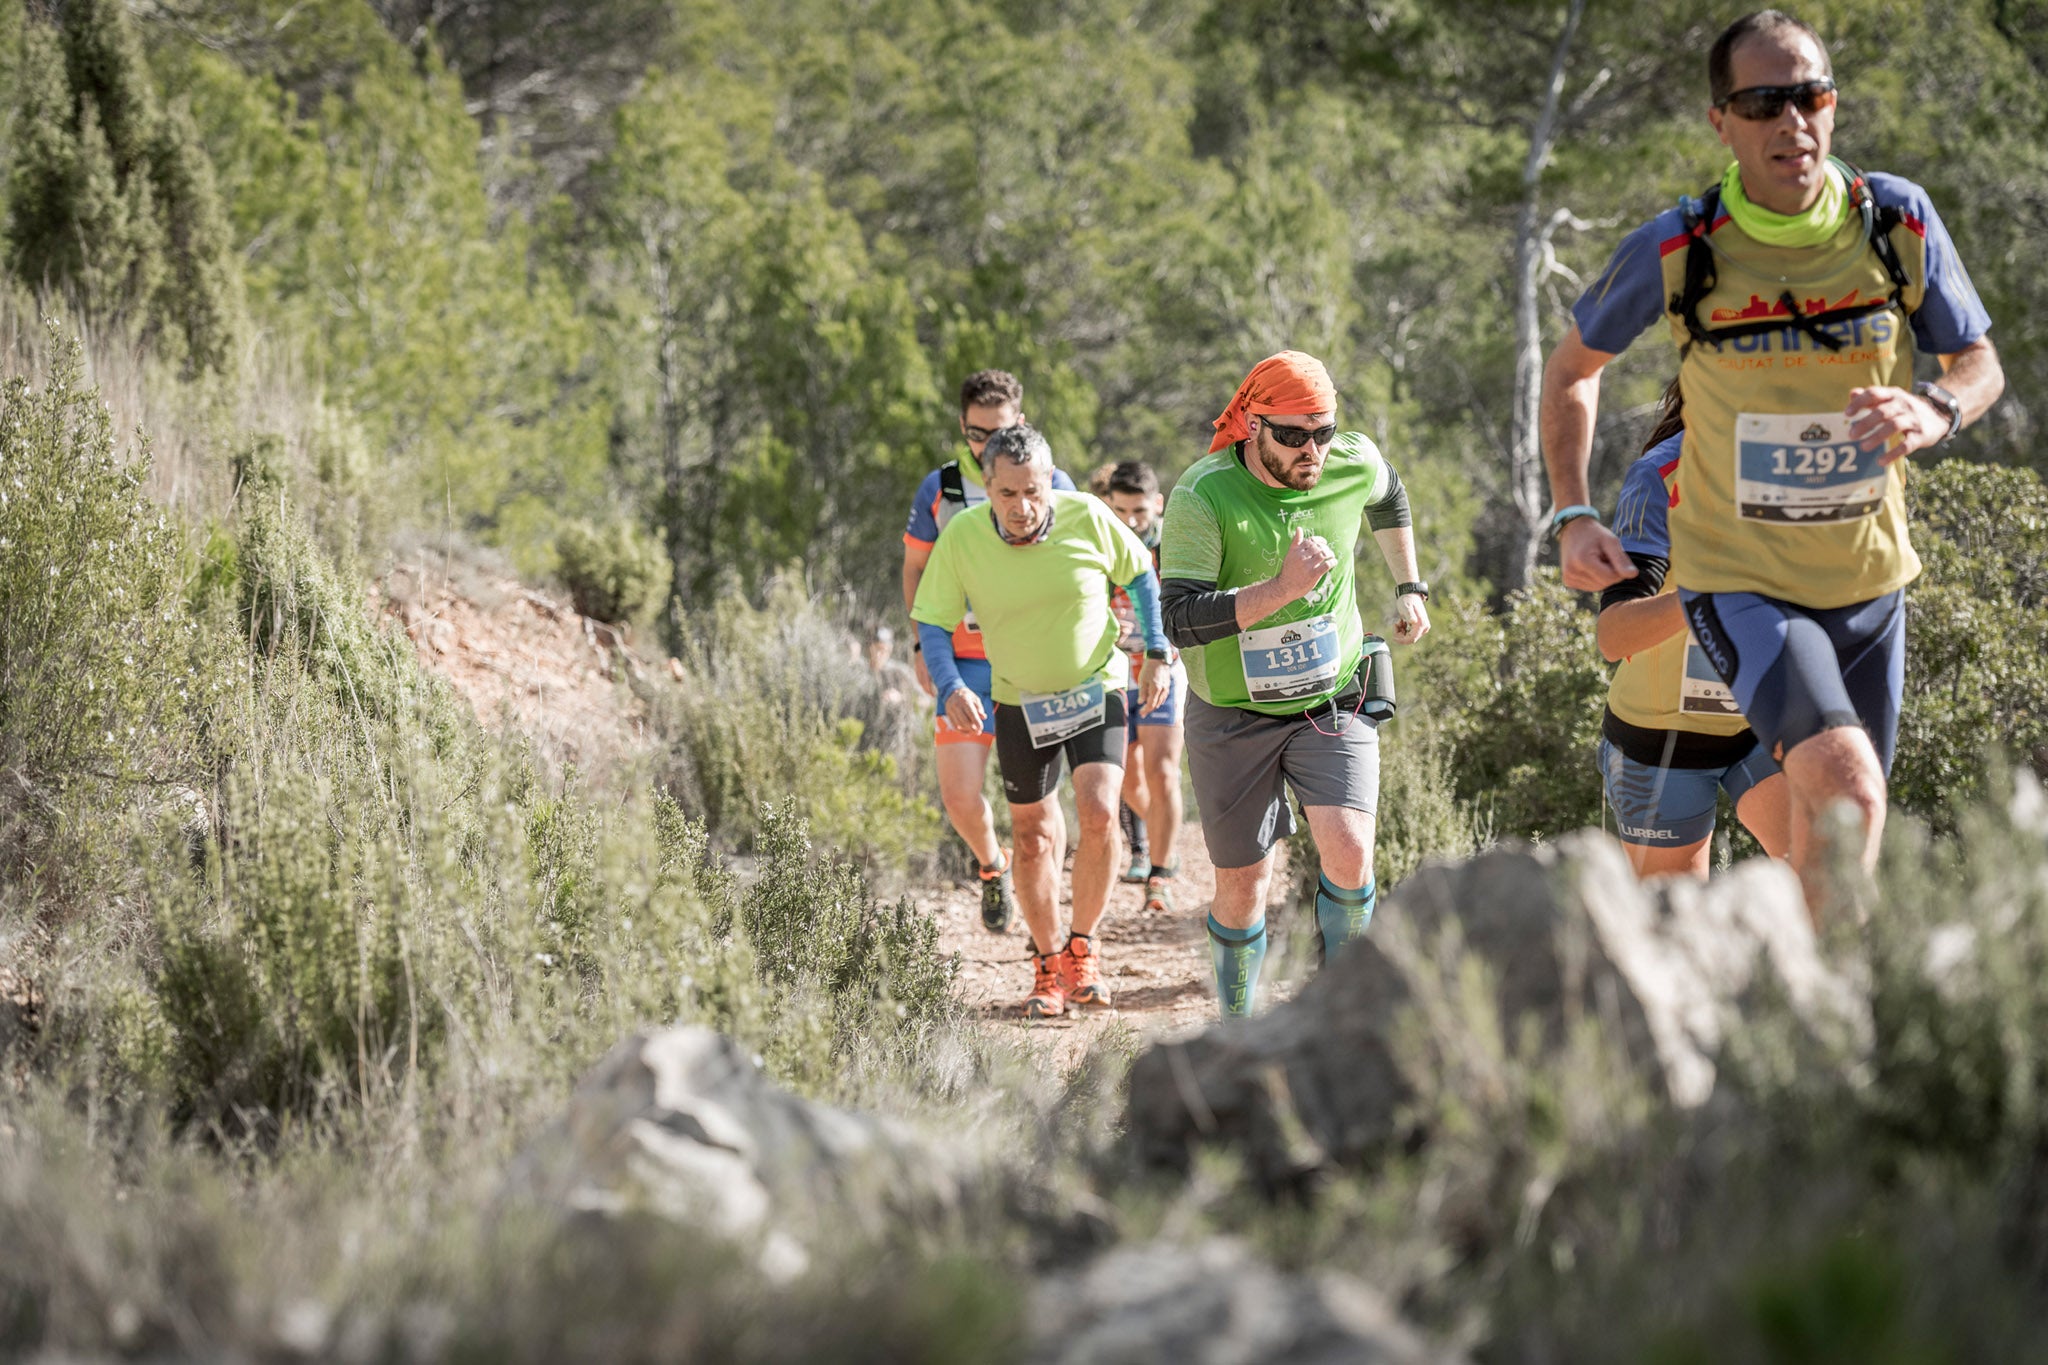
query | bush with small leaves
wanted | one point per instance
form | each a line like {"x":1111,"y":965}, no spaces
{"x":614,"y":574}
{"x":102,"y":668}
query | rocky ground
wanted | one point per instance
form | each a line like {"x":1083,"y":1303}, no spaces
{"x":1156,"y":966}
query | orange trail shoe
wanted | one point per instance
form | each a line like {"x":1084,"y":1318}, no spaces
{"x":1048,"y":997}
{"x":1084,"y":969}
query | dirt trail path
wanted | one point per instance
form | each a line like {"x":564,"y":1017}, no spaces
{"x":1156,"y":966}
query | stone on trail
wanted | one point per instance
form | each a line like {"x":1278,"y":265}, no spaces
{"x":1565,"y":934}
{"x":1214,"y":1303}
{"x":683,"y":1124}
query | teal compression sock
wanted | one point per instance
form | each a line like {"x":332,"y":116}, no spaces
{"x":1237,"y":955}
{"x":1342,"y":915}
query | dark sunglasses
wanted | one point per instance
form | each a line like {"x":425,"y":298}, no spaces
{"x":1764,"y":102}
{"x":1294,"y":438}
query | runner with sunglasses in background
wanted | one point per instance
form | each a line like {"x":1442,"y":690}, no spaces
{"x":1799,"y":292}
{"x":989,"y":401}
{"x":1259,"y":591}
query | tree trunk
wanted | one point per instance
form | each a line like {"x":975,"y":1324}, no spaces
{"x":1532,"y":240}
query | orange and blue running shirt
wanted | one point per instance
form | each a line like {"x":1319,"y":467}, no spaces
{"x":1669,"y":686}
{"x":930,"y":510}
{"x":1772,"y":497}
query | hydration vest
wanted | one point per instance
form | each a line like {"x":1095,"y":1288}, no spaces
{"x":956,"y":494}
{"x":1701,"y":274}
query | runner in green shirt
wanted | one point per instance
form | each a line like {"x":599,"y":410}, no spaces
{"x":1259,"y":592}
{"x":1039,"y":566}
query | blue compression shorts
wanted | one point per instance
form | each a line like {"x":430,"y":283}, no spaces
{"x":1663,"y":807}
{"x":1797,"y":671}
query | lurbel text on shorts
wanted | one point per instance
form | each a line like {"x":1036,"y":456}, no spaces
{"x":1637,"y":832}
{"x":1875,"y":329}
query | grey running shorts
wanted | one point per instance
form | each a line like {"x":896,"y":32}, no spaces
{"x":1243,"y":763}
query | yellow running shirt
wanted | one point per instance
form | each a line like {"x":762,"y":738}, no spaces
{"x":1771,"y":496}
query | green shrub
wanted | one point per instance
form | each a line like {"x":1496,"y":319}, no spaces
{"x":1515,"y":702}
{"x":850,"y":974}
{"x":774,"y":704}
{"x":1976,"y":623}
{"x":614,"y":574}
{"x":101,"y":666}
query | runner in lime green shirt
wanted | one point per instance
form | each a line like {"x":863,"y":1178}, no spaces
{"x":1039,"y":566}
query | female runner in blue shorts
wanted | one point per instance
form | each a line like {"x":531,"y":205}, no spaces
{"x":1673,"y":737}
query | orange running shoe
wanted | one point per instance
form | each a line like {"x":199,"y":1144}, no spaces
{"x":1048,"y":996}
{"x":1084,"y":965}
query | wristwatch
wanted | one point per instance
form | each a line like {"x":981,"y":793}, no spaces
{"x":1564,"y":516}
{"x":1161,"y":655}
{"x":1418,"y":588}
{"x":1947,"y":402}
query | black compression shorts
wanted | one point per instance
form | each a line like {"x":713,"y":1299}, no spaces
{"x":1030,"y":774}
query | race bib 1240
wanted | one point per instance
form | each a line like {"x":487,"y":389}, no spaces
{"x":1056,"y":717}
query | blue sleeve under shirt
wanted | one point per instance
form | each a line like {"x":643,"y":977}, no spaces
{"x":939,"y":660}
{"x":1144,"y":591}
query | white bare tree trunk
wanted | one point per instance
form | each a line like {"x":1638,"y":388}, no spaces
{"x":1532,"y":255}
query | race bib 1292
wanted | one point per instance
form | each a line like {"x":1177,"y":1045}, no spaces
{"x":1801,"y":468}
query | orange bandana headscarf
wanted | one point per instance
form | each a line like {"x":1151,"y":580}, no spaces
{"x":1290,"y":383}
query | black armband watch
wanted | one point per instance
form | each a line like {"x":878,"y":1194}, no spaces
{"x":1947,"y":402}
{"x":1418,"y":588}
{"x":1160,"y":654}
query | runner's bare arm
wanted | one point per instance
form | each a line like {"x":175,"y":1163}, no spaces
{"x":1882,"y":412}
{"x":1638,"y":624}
{"x":1411,"y":613}
{"x":915,"y":556}
{"x":1588,"y":552}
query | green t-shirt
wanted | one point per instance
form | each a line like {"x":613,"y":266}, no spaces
{"x":1044,"y":609}
{"x":1224,"y":526}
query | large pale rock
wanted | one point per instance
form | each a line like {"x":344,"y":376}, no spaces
{"x":1565,"y":934}
{"x":683,"y":1124}
{"x":1214,"y":1303}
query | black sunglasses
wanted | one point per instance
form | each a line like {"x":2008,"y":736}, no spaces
{"x":1294,"y":438}
{"x":981,"y":435}
{"x":1763,"y":102}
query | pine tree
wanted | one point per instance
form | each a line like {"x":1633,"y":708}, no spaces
{"x":113,"y":199}
{"x":201,"y":292}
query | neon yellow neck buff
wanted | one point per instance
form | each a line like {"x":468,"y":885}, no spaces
{"x":1816,"y":225}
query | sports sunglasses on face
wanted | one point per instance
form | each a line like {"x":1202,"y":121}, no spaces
{"x":1763,"y":102}
{"x":1294,"y":438}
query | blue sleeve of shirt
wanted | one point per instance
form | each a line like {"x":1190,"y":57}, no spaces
{"x":1628,"y":296}
{"x":1642,"y":513}
{"x":1060,"y":480}
{"x":924,"y":523}
{"x":939,"y":660}
{"x":1144,"y":591}
{"x":1950,"y":316}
